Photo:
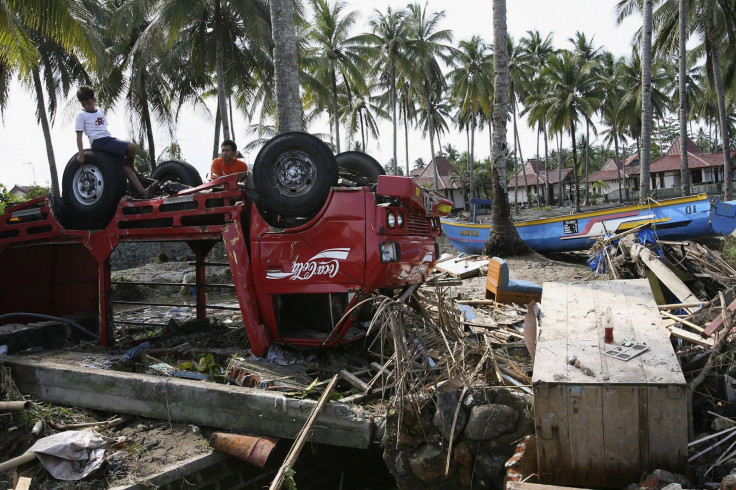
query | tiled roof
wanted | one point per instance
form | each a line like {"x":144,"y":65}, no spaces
{"x":676,"y":147}
{"x":609,"y":172}
{"x":426,"y":177}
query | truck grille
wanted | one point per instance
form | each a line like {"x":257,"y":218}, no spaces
{"x":417,"y":225}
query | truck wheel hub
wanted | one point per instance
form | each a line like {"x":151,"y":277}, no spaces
{"x":294,"y":173}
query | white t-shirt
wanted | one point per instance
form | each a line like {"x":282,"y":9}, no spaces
{"x":94,"y":124}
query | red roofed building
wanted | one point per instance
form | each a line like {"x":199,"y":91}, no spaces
{"x":706,"y":170}
{"x":605,"y":181}
{"x":536,"y":179}
{"x":451,"y":190}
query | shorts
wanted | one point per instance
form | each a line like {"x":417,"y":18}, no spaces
{"x":112,"y":145}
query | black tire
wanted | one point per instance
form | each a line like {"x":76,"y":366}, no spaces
{"x":293,"y":174}
{"x":91,"y":193}
{"x":177,"y":171}
{"x":363,"y":167}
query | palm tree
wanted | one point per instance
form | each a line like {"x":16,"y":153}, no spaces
{"x":610,"y":108}
{"x":503,"y":239}
{"x":221,"y":26}
{"x":388,"y":34}
{"x":142,"y":70}
{"x":472,"y":88}
{"x":570,"y":99}
{"x":424,"y":47}
{"x":335,"y":56}
{"x":538,"y":50}
{"x":591,"y":57}
{"x":683,"y":109}
{"x":286,"y":67}
{"x":42,"y":43}
{"x":646,"y":101}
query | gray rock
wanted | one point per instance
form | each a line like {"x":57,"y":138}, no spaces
{"x":489,"y":421}
{"x":490,"y":466}
{"x":447,"y":405}
{"x":428,"y":464}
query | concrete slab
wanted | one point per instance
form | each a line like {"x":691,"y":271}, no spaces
{"x":61,"y":380}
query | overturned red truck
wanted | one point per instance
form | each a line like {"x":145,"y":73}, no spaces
{"x":308,"y":236}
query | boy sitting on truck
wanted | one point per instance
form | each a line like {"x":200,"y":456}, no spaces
{"x":92,"y":121}
{"x":227,"y":164}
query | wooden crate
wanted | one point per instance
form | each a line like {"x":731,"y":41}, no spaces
{"x":630,"y":416}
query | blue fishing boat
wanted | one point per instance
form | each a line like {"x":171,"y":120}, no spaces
{"x":672,"y":219}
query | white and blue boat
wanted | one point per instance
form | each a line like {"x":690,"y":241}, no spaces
{"x":672,"y":219}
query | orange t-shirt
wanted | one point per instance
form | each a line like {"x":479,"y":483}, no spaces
{"x":219,"y":168}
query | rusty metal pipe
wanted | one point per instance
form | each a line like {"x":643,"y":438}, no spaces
{"x":15,"y":406}
{"x":253,"y":449}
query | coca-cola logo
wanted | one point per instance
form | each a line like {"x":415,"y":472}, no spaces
{"x":326,"y":263}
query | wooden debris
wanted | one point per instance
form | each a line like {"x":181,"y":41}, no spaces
{"x":302,"y":437}
{"x":462,"y":267}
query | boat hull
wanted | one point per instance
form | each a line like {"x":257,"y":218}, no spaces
{"x":673,"y":219}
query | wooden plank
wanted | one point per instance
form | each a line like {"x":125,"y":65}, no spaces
{"x":24,"y":483}
{"x":585,"y":428}
{"x":682,"y":320}
{"x":553,"y":446}
{"x":353,"y":380}
{"x":621,"y":434}
{"x":691,"y":337}
{"x":667,"y":419}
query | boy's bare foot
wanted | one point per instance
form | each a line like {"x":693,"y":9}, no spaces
{"x":149,"y":191}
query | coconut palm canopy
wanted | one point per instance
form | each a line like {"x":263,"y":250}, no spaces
{"x":381,"y":77}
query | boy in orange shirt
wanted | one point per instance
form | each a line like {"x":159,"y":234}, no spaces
{"x":227,"y":163}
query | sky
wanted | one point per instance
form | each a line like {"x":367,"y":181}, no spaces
{"x":23,"y":151}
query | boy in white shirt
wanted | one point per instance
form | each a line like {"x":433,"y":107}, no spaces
{"x":93,"y":123}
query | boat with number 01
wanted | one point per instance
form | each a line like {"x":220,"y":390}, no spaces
{"x":673,"y":219}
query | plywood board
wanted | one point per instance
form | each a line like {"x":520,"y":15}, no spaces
{"x":462,"y":268}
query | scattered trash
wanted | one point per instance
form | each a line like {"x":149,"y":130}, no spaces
{"x":72,"y":455}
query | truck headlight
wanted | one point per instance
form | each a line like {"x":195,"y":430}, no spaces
{"x":400,"y":219}
{"x":390,"y":219}
{"x":389,"y":251}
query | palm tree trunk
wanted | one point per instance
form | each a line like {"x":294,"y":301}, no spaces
{"x":430,"y":129}
{"x":216,"y":144}
{"x":394,"y":120}
{"x":587,"y":160}
{"x":220,"y":62}
{"x":149,"y":129}
{"x":334,"y":111}
{"x":406,"y":136}
{"x":547,"y":195}
{"x":618,"y":171}
{"x":684,"y":170}
{"x":471,"y":162}
{"x":286,"y":69}
{"x":503,"y":239}
{"x":646,"y":102}
{"x":723,"y":115}
{"x":575,"y":167}
{"x":55,"y":191}
{"x":559,"y":167}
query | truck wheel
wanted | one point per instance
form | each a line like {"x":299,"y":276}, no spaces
{"x":177,"y":171}
{"x":364,"y":168}
{"x":293,"y":174}
{"x":91,"y":193}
